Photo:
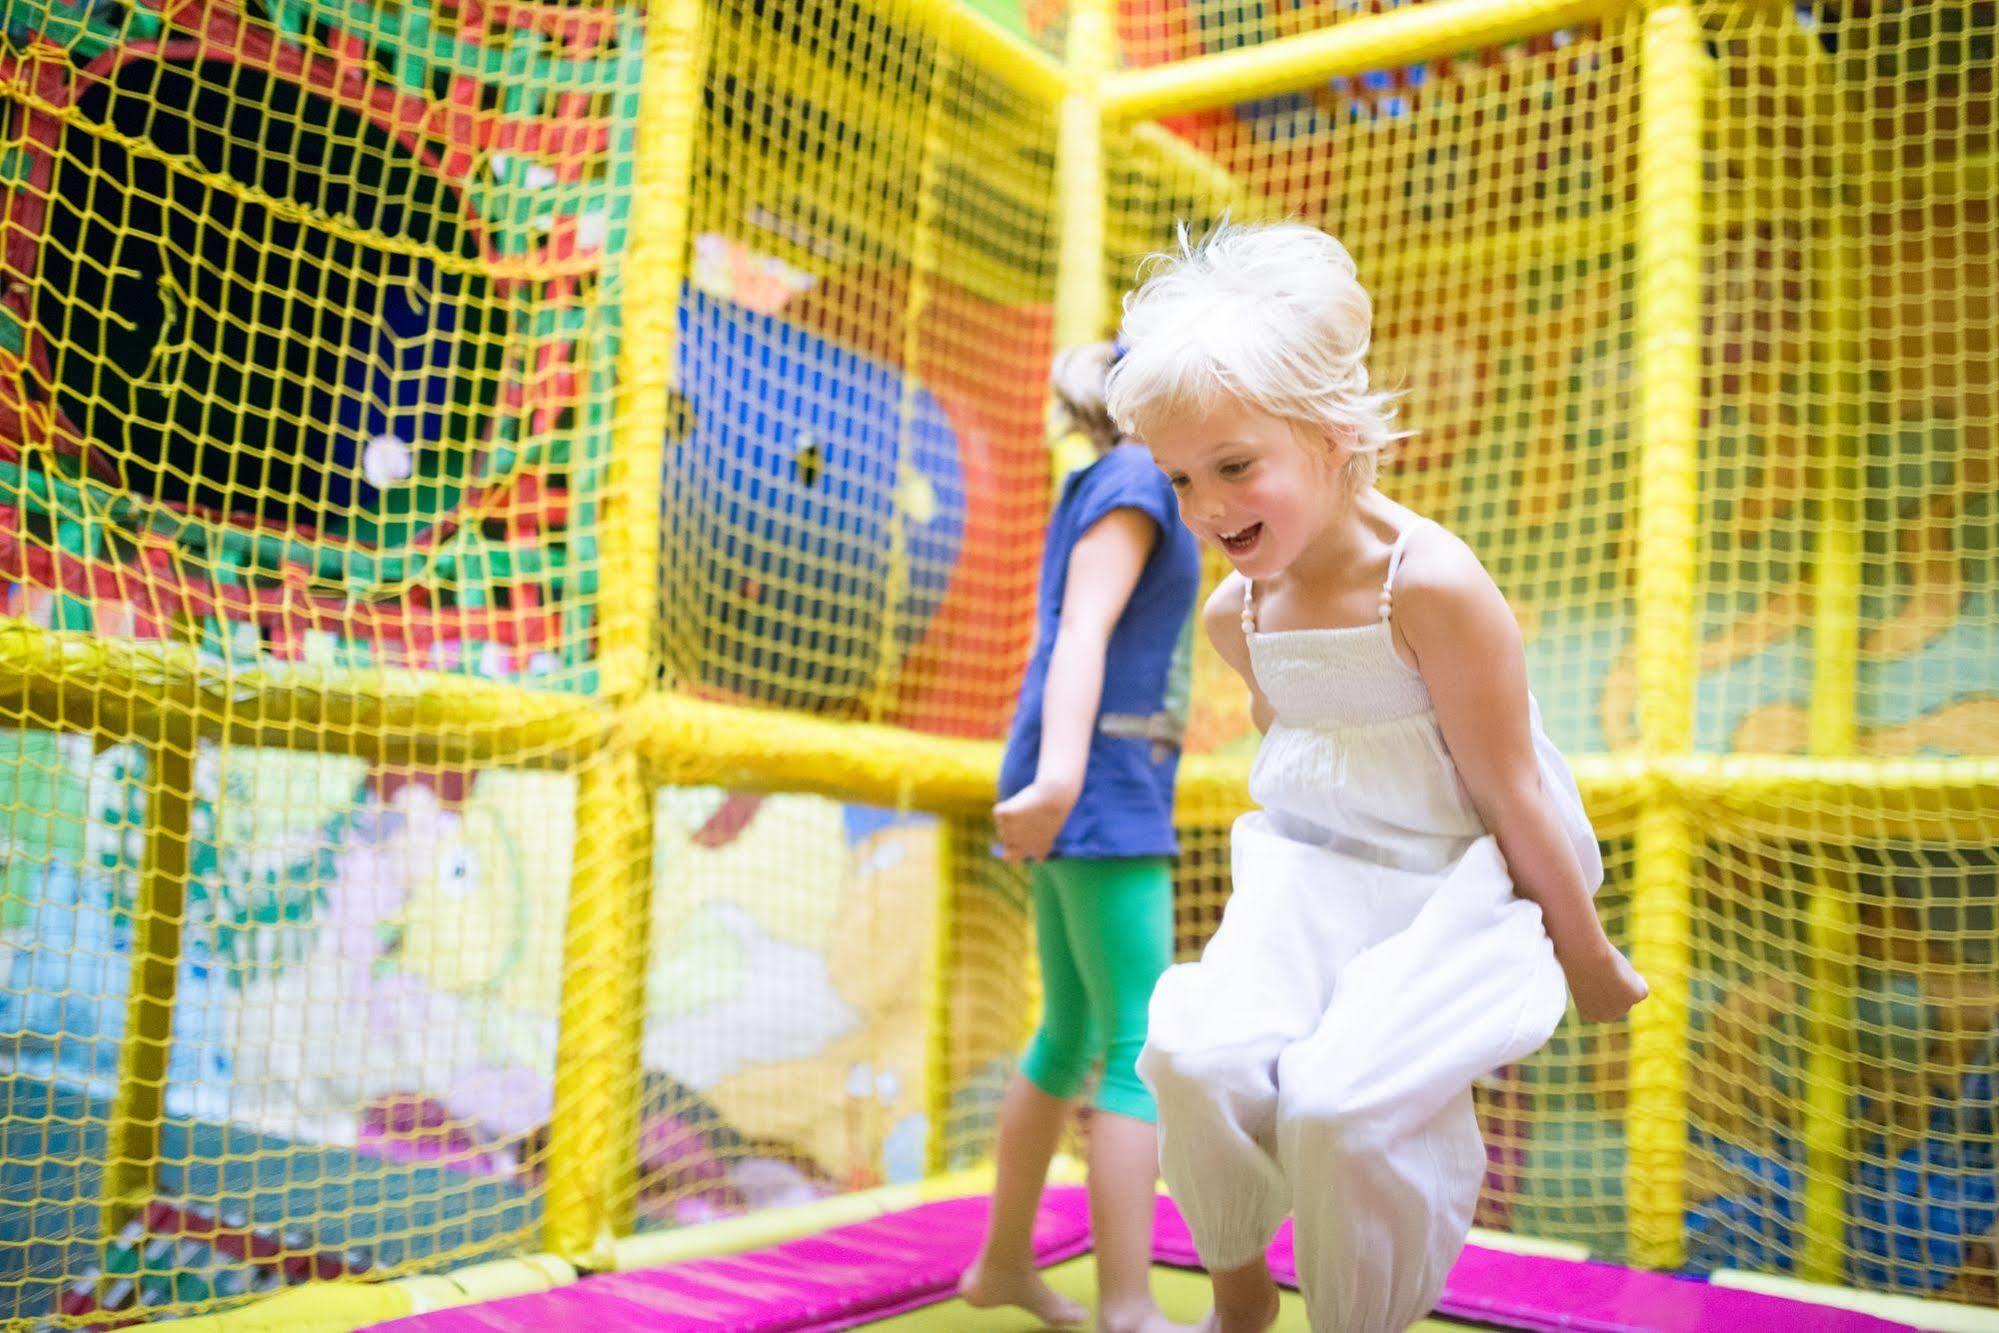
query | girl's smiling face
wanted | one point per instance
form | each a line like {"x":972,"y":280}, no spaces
{"x":1249,"y":485}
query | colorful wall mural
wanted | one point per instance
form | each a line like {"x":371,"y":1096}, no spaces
{"x":372,"y":964}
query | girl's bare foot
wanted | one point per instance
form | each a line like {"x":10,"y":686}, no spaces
{"x":1145,"y":1319}
{"x":985,"y":1286}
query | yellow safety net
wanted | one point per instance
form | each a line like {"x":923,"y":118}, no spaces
{"x":519,"y":528}
{"x":1844,"y":1004}
{"x":859,"y":463}
{"x":306,"y":366}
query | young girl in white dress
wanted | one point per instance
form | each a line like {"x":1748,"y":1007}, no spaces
{"x":1412,"y":903}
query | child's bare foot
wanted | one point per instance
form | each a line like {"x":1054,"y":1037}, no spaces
{"x":985,"y":1286}
{"x":1143,"y":1319}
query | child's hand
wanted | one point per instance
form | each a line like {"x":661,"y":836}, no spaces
{"x":1605,"y":985}
{"x":1029,"y":819}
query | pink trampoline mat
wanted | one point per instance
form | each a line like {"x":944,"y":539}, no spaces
{"x":854,"y":1275}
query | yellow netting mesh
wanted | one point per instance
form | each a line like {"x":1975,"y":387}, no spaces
{"x":1851,"y":375}
{"x":313,"y":567}
{"x":860,"y":461}
{"x":304,"y":415}
{"x":1843,"y":973}
{"x":1504,"y":312}
{"x":1908,"y":1007}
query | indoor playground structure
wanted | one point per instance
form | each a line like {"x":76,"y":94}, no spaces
{"x":518,"y":530}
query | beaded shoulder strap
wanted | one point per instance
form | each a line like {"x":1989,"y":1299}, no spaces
{"x":1395,"y":554}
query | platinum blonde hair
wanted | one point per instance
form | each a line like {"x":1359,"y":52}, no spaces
{"x":1272,"y":316}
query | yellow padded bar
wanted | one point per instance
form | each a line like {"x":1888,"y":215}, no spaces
{"x":693,"y":742}
{"x":593,"y":1131}
{"x":1376,"y":41}
{"x":1669,"y":338}
{"x":118,"y":688}
{"x":132,"y":1138}
{"x":1832,"y":919}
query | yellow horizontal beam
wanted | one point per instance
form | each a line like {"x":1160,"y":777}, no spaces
{"x":118,"y":688}
{"x":980,"y":41}
{"x":1845,"y":800}
{"x":693,"y":742}
{"x":1355,"y":46}
{"x":1842,"y":801}
{"x":1613,"y":789}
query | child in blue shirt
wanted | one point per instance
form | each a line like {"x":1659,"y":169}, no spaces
{"x":1086,"y":793}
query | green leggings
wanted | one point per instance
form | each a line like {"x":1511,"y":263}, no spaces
{"x":1105,"y":933}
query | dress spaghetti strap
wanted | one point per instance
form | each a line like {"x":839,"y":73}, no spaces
{"x":1395,"y":554}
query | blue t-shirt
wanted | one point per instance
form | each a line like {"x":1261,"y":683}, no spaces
{"x":1126,"y":806}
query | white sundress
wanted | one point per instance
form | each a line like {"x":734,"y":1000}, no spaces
{"x":1372,"y":962}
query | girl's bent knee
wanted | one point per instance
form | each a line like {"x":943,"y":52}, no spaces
{"x":1181,"y":1009}
{"x":1326,"y":1123}
{"x":1175,"y":1073}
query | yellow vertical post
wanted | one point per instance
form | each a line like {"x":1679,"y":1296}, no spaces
{"x":939,"y":1088}
{"x":655,"y":262}
{"x":1080,"y":292}
{"x":1079,"y":186}
{"x":1669,"y":239}
{"x":593,"y":1131}
{"x":597,"y":1076}
{"x":1831,"y":922}
{"x":138,"y":1107}
{"x":632,"y":797}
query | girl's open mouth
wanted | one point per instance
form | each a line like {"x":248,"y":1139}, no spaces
{"x":1241,"y":543}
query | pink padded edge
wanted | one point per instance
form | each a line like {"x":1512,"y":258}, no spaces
{"x":1526,"y":1291}
{"x":841,"y":1278}
{"x":857,"y":1274}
